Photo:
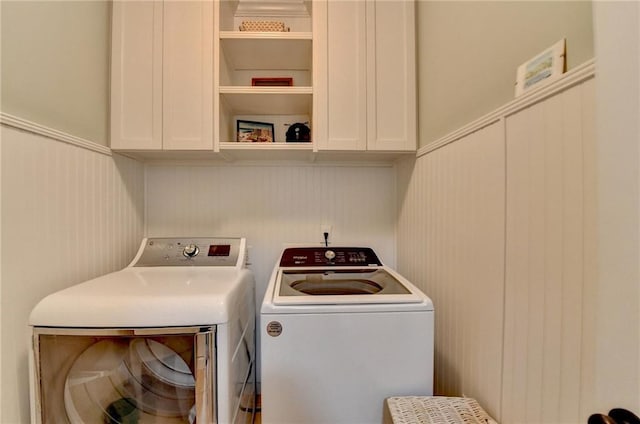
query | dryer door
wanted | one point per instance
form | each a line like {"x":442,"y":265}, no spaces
{"x":163,"y":375}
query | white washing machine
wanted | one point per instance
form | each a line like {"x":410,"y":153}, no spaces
{"x":340,"y":333}
{"x":168,"y":339}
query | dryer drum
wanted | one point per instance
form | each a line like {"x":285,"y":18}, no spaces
{"x":122,"y":411}
{"x":127,"y":381}
{"x":157,"y":362}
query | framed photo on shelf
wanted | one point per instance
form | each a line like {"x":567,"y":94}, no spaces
{"x":544,"y":67}
{"x":254,"y":132}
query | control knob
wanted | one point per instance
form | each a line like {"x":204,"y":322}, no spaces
{"x":191,"y":251}
{"x":330,"y":255}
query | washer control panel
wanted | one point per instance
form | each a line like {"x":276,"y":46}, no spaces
{"x":329,"y":256}
{"x":198,"y":251}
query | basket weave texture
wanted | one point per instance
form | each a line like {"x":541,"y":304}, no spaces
{"x":436,"y":410}
{"x":262,"y":26}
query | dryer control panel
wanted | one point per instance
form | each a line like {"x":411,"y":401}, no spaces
{"x":197,"y":251}
{"x":329,"y":256}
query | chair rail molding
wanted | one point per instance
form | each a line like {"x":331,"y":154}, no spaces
{"x":577,"y":75}
{"x":35,"y":128}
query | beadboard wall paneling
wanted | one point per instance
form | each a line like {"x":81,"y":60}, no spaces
{"x":273,"y":205}
{"x":1,"y":291}
{"x":499,"y":228}
{"x":550,"y":260}
{"x":451,"y":244}
{"x":68,"y":214}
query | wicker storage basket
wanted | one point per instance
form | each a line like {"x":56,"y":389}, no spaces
{"x":434,"y":410}
{"x":263,"y":26}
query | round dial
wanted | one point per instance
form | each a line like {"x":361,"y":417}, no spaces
{"x":191,"y":250}
{"x":330,"y":255}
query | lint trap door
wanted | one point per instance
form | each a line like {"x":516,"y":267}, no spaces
{"x":163,"y":375}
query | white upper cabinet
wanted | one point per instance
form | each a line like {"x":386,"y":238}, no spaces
{"x":185,"y":76}
{"x":369,"y":93}
{"x":343,"y":61}
{"x":187,"y":94}
{"x":162,"y":75}
{"x":136,"y":76}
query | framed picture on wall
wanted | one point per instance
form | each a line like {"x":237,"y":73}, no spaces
{"x":543,"y":68}
{"x":254,"y":132}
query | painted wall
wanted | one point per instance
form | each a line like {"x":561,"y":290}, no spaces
{"x":468,"y":53}
{"x":55,"y":64}
{"x":617,"y":350}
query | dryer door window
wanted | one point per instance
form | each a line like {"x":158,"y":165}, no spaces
{"x":126,"y":377}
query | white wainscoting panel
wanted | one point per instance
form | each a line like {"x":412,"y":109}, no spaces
{"x":451,"y":244}
{"x":273,"y":205}
{"x":549,"y":258}
{"x":498,"y":227}
{"x":68,"y":214}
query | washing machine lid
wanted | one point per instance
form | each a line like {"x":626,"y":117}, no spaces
{"x":343,"y":285}
{"x":147,"y":297}
{"x":338,"y":276}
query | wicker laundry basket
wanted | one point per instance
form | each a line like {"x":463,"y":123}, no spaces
{"x":434,"y":410}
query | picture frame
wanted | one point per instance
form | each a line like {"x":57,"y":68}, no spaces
{"x":544,"y":67}
{"x":272,"y":82}
{"x":254,"y":132}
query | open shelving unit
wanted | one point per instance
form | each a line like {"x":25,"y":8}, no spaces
{"x":243,"y":55}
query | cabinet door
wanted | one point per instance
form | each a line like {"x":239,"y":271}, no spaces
{"x":371,"y":76}
{"x":346,"y":76}
{"x":391,"y":82}
{"x":136,"y":75}
{"x":188,"y":75}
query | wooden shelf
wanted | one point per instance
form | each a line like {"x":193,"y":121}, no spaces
{"x":266,"y":146}
{"x":271,"y":35}
{"x":278,"y":151}
{"x":232,"y":89}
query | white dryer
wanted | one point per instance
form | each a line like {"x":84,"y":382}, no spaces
{"x":340,"y":333}
{"x":168,"y":339}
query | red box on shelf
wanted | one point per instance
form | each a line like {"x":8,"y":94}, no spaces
{"x":272,"y":82}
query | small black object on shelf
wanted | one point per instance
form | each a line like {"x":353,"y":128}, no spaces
{"x":623,"y":416}
{"x":298,"y":132}
{"x":615,"y":416}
